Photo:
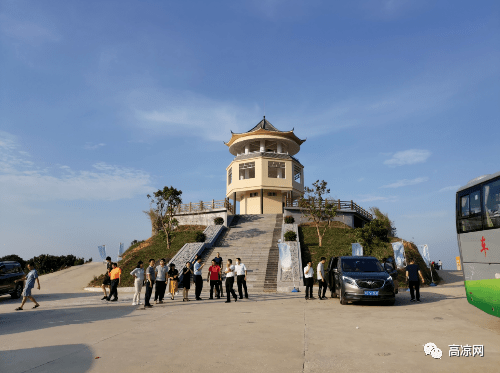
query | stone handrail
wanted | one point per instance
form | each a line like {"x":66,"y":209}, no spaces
{"x":189,"y":250}
{"x":341,"y":205}
{"x":294,"y":276}
{"x":205,"y":206}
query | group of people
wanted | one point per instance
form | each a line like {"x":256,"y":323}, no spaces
{"x":309,"y":279}
{"x":164,"y":277}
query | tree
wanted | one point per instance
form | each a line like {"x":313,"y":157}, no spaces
{"x":13,"y":258}
{"x":372,"y":234}
{"x":156,"y":225}
{"x":389,"y":224}
{"x":318,"y":209}
{"x":164,"y":203}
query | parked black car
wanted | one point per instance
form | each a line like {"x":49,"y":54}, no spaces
{"x":360,"y":278}
{"x":10,"y":272}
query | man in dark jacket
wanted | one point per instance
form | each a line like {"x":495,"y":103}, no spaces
{"x":412,"y":274}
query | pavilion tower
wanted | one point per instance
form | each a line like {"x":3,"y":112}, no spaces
{"x":264,"y":175}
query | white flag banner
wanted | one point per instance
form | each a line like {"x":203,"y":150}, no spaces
{"x":399,"y":254}
{"x":102,"y":252}
{"x":121,"y":249}
{"x":424,"y":251}
{"x":285,"y":256}
{"x":357,"y":249}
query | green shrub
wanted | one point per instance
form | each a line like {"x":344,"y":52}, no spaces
{"x":290,"y":236}
{"x":200,"y":237}
{"x":219,"y":221}
{"x":289,"y":220}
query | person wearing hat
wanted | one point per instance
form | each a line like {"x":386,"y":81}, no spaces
{"x":173,"y":275}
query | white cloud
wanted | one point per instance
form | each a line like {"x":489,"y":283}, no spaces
{"x":406,"y":182}
{"x":361,"y":179}
{"x":28,"y":31}
{"x":410,"y":156}
{"x":372,"y":198}
{"x":22,"y":180}
{"x":450,"y":188}
{"x":174,"y":113}
{"x":92,"y":146}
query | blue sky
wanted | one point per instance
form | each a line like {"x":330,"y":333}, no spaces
{"x":104,"y":102}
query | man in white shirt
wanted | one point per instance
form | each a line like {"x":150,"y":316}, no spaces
{"x":161,"y":281}
{"x":230,"y":281}
{"x":440,"y":263}
{"x":241,"y":277}
{"x":198,"y":280}
{"x":321,"y":278}
{"x":309,"y":279}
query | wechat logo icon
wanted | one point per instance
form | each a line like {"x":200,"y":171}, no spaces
{"x":433,"y":350}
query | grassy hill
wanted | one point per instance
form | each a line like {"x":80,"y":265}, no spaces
{"x":153,"y":248}
{"x":337,"y":242}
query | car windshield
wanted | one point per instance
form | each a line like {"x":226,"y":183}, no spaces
{"x":361,"y":265}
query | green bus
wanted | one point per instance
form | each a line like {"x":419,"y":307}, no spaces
{"x":478,"y":233}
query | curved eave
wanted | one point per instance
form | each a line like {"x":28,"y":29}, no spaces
{"x":289,"y":135}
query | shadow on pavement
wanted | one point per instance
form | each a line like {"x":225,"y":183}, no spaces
{"x":40,"y":297}
{"x":48,"y":359}
{"x":29,"y":320}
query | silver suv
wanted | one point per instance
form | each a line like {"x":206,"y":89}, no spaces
{"x":360,"y":278}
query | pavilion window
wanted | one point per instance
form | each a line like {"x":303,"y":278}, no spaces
{"x":276,"y":170}
{"x":230,"y":176}
{"x":297,"y":174}
{"x":247,"y":170}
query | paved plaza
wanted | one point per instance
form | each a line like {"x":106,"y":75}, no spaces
{"x":74,"y":331}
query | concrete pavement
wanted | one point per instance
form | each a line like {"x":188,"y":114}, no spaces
{"x":267,"y":333}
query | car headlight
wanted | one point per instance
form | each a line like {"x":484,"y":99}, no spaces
{"x":349,"y":280}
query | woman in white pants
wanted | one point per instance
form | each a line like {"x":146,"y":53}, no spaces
{"x":138,"y":274}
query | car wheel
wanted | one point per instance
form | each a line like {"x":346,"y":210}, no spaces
{"x":342,"y":299}
{"x":18,"y":292}
{"x":390,"y":302}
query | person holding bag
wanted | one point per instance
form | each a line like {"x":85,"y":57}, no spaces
{"x":173,"y":275}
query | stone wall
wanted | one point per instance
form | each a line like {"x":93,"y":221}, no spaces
{"x":288,"y":279}
{"x":204,"y":217}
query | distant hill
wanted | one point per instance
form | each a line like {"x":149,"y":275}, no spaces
{"x":154,"y":247}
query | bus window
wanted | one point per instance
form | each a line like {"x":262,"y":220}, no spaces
{"x":491,"y":195}
{"x":475,"y":203}
{"x":464,"y":203}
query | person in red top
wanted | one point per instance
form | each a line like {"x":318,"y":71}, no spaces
{"x":114,"y":276}
{"x":214,"y":277}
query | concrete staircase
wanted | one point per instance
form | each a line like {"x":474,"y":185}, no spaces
{"x":254,"y":239}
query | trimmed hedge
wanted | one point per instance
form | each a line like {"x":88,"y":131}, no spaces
{"x":290,"y":236}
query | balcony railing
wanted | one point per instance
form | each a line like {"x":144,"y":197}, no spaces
{"x":341,"y":205}
{"x":206,"y":206}
{"x":266,"y":154}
